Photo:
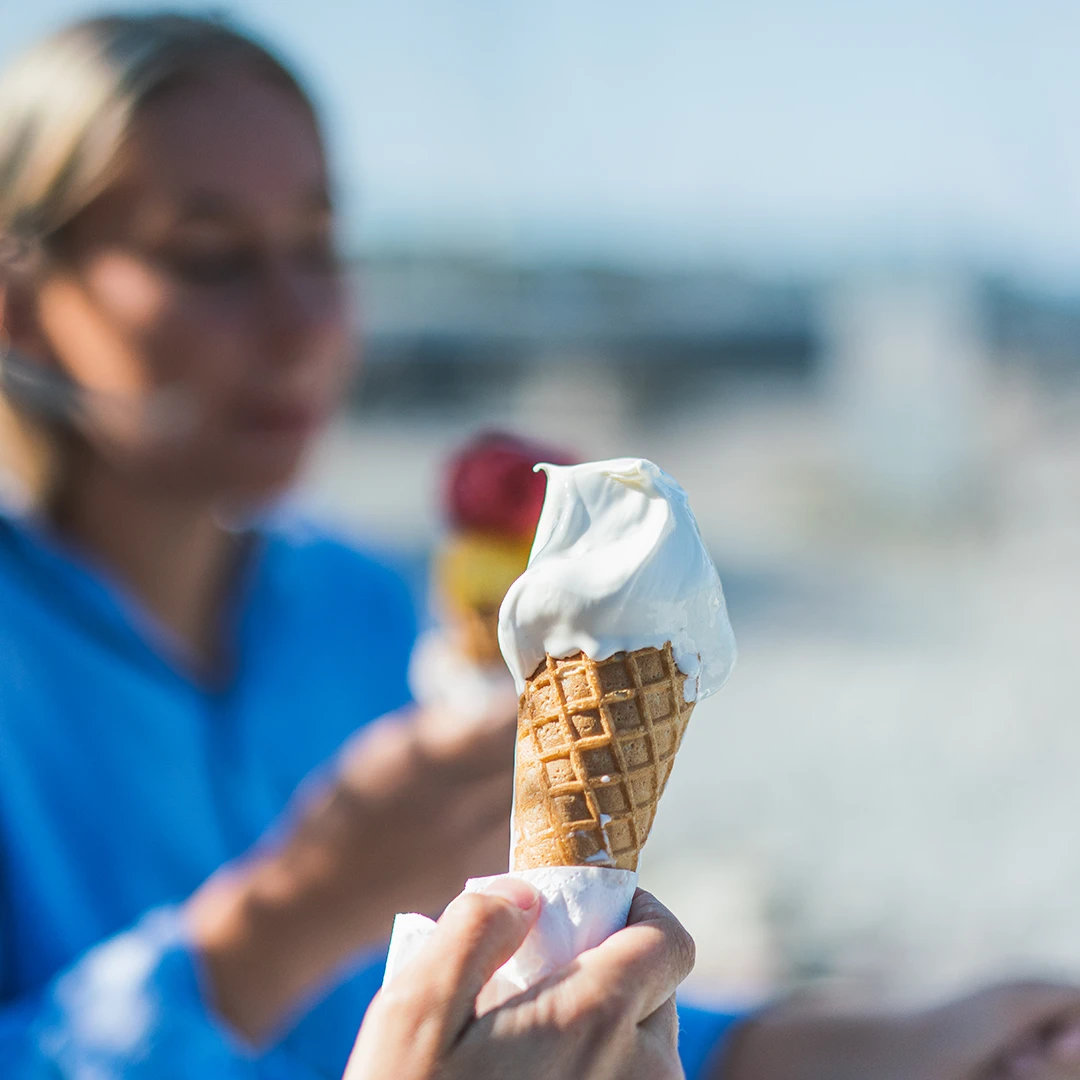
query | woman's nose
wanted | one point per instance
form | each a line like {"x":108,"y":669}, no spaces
{"x":299,"y":307}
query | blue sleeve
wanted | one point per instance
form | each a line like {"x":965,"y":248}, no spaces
{"x":702,"y":1034}
{"x":365,"y":605}
{"x":131,"y":1009}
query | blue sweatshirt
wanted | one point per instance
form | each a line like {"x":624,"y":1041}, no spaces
{"x":124,"y":783}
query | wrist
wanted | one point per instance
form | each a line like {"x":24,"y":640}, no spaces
{"x":272,"y":930}
{"x":247,"y":948}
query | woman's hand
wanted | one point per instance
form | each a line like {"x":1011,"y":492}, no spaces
{"x":610,"y":1015}
{"x":413,"y":808}
{"x":418,"y":805}
{"x":1014,"y":1031}
{"x":1034,"y":1028}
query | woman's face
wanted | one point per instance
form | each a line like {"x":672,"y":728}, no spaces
{"x":200,"y":295}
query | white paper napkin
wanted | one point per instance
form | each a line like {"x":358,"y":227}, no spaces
{"x":580,"y":906}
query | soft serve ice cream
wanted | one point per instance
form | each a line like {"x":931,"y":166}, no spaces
{"x":613,"y":633}
{"x":618,"y":564}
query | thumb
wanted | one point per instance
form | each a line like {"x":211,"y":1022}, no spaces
{"x":418,"y":1017}
{"x":476,"y":935}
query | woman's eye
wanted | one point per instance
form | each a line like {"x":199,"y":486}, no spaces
{"x":214,"y":268}
{"x":318,"y":255}
{"x":242,"y":266}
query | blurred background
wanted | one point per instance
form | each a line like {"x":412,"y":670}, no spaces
{"x":821,"y":263}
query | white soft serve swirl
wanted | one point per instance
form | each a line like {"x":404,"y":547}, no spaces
{"x":618,"y":564}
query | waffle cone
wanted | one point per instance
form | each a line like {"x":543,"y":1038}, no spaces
{"x":596,"y":743}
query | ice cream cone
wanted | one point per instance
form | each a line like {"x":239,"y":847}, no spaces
{"x":475,"y":633}
{"x":596,"y":743}
{"x":472,"y":572}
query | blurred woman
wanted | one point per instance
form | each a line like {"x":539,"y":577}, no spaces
{"x":199,"y":855}
{"x":172,"y":664}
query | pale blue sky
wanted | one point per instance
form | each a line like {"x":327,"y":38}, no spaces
{"x":788,"y":131}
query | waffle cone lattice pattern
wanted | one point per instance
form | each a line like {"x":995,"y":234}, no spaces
{"x":596,"y":743}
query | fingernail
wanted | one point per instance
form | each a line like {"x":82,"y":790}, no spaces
{"x":519,"y":893}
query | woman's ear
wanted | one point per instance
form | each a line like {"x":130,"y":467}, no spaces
{"x":20,"y":323}
{"x":28,"y":454}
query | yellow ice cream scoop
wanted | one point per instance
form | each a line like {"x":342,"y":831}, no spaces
{"x":473,"y":570}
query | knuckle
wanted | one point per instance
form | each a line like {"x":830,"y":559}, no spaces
{"x":609,"y":1014}
{"x":413,"y":998}
{"x":668,"y":953}
{"x":476,"y":923}
{"x":548,"y":1013}
{"x":671,"y":1070}
{"x":645,"y":906}
{"x":467,"y":921}
{"x":474,"y":916}
{"x":597,"y":1011}
{"x":471,"y":909}
{"x":685,"y":949}
{"x":666,"y":1069}
{"x":651,"y":1063}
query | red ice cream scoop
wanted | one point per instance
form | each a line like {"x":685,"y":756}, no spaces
{"x":491,"y":487}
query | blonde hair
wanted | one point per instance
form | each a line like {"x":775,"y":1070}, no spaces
{"x":66,"y":106}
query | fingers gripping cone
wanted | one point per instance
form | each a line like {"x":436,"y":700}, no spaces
{"x":596,"y":743}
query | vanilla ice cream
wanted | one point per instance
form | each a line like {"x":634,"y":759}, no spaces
{"x":618,"y":564}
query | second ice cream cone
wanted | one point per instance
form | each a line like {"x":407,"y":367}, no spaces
{"x":596,"y":743}
{"x":472,"y":573}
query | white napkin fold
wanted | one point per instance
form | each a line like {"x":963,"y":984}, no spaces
{"x":580,"y":906}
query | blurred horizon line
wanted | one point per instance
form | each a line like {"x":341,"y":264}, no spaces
{"x":476,"y":249}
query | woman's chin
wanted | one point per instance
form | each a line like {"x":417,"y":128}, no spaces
{"x":263,"y":481}
{"x":256,"y":492}
{"x":249,"y":473}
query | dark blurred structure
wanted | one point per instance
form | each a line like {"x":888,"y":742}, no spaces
{"x":460,"y":331}
{"x":446,"y":329}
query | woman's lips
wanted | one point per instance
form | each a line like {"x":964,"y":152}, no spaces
{"x":280,"y":419}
